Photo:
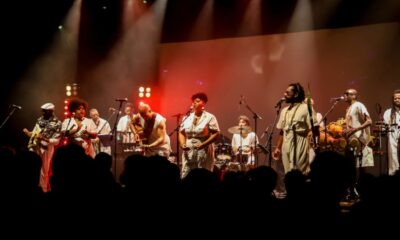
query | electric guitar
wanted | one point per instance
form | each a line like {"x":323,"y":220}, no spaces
{"x":37,"y":140}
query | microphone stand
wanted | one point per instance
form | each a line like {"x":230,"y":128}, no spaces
{"x":178,"y":126}
{"x":114,"y":137}
{"x":108,"y":120}
{"x":324,"y":119}
{"x":268,"y":146}
{"x":255,"y":117}
{"x":8,"y":116}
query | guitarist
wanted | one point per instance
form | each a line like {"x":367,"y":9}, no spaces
{"x":78,"y":129}
{"x":358,"y":122}
{"x":150,"y":127}
{"x":43,"y":138}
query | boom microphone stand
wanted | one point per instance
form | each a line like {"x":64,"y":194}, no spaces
{"x":255,"y":117}
{"x":13,"y":108}
{"x":178,"y":126}
{"x":324,"y":119}
{"x":114,"y":136}
{"x":267,"y":149}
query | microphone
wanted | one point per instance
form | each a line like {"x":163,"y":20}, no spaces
{"x":121,"y":99}
{"x":265,"y":131}
{"x":337,"y":98}
{"x":16,"y":106}
{"x":278,"y":104}
{"x":190,"y":110}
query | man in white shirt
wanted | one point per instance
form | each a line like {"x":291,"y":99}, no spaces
{"x":125,"y":134}
{"x":358,"y":122}
{"x":295,"y":126}
{"x":102,"y":128}
{"x":243,"y":144}
{"x":392,"y":118}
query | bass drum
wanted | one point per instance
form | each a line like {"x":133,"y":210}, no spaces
{"x":223,"y":152}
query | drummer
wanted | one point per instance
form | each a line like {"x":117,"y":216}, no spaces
{"x":243,"y":141}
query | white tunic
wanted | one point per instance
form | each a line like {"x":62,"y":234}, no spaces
{"x":295,"y":122}
{"x":355,"y":116}
{"x":393,"y":139}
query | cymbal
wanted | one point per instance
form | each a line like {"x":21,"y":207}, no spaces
{"x":239,"y":130}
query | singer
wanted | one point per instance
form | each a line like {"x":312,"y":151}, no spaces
{"x":295,"y":125}
{"x":196,"y":136}
{"x":392,"y":119}
{"x":43,"y":139}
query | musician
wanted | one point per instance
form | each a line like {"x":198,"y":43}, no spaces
{"x":123,"y":128}
{"x":392,"y":118}
{"x":102,"y":127}
{"x":151,"y":129}
{"x":196,"y":135}
{"x":43,"y":138}
{"x":358,"y":122}
{"x":79,"y":129}
{"x":295,"y":125}
{"x":243,"y":144}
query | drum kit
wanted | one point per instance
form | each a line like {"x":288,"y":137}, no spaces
{"x":332,"y":138}
{"x":226,"y":159}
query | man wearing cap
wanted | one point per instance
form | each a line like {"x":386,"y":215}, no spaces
{"x":44,"y":136}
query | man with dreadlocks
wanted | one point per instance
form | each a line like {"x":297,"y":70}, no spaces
{"x":392,"y":119}
{"x":295,"y":123}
